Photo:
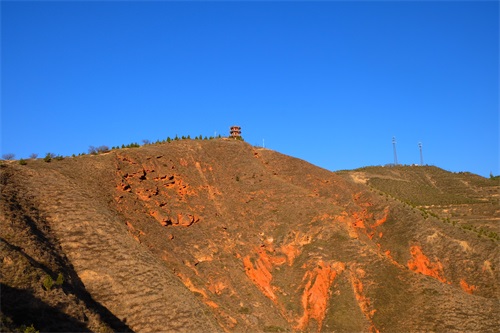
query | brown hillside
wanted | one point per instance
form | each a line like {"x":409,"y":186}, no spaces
{"x":219,"y":236}
{"x":464,"y":199}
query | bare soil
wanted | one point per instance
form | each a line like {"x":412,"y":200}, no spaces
{"x":218,"y":235}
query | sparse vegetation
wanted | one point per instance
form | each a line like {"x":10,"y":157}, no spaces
{"x":283,"y":222}
{"x":102,"y":149}
{"x":48,"y":157}
{"x":60,"y":279}
{"x":22,"y":162}
{"x":47,"y":282}
{"x":98,"y":150}
{"x":29,"y":329}
{"x":8,"y":157}
{"x":92,"y":150}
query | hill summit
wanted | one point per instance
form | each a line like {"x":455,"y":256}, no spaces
{"x":217,"y":235}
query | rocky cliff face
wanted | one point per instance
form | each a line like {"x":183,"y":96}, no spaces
{"x":220,"y":236}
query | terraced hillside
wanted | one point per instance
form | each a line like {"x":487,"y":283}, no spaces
{"x":466,"y":200}
{"x":220,"y":236}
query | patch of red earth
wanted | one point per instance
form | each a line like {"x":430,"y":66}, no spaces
{"x":161,"y":217}
{"x":363,"y":301}
{"x":322,"y":217}
{"x":148,"y":167}
{"x":388,"y":255}
{"x":420,"y":263}
{"x":362,"y":217}
{"x":182,"y":219}
{"x":217,"y":288}
{"x":124,"y":158}
{"x":293,"y":249}
{"x":124,"y":187}
{"x":146,"y":194}
{"x":260,"y":273}
{"x":359,"y":219}
{"x":362,"y":203}
{"x":317,"y":293}
{"x":468,"y":288}
{"x":259,"y":270}
{"x":187,"y":282}
{"x":225,"y":321}
{"x":348,"y":221}
{"x":135,"y":233}
{"x":183,"y":189}
{"x":381,"y":220}
{"x":186,"y":220}
{"x":356,"y":221}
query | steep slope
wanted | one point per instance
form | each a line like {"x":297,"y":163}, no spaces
{"x":31,"y":259}
{"x":218,"y":235}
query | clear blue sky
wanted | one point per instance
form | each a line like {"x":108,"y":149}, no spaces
{"x":329,"y":82}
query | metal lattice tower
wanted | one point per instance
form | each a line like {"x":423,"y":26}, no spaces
{"x":395,"y":154}
{"x":421,"y":155}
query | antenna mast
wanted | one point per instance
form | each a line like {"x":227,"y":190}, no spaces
{"x":421,"y":156}
{"x":395,"y":154}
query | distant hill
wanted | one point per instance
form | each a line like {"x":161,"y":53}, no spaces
{"x":466,"y":200}
{"x":217,"y":235}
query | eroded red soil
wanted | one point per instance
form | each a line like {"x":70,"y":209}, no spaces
{"x":420,"y":263}
{"x":317,"y":292}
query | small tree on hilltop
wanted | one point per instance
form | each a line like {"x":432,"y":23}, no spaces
{"x":33,"y":156}
{"x":92,"y":150}
{"x":8,"y":157}
{"x":49,"y":157}
{"x":102,"y":149}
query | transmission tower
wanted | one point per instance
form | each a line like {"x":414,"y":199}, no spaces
{"x":421,"y":155}
{"x":395,"y":154}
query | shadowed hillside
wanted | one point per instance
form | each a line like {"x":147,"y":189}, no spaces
{"x":220,"y":236}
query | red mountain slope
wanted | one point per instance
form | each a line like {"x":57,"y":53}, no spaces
{"x":220,"y":236}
